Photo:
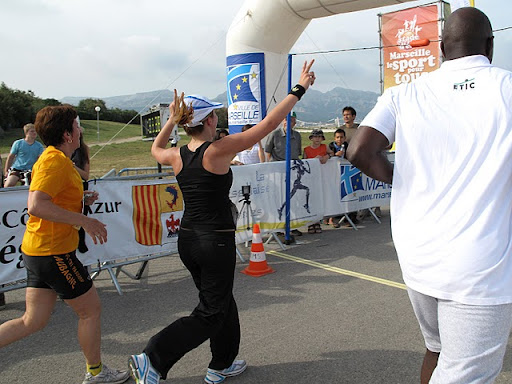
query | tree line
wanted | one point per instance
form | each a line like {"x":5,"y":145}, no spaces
{"x":18,"y":108}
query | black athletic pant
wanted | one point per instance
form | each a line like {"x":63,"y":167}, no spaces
{"x":210,"y":257}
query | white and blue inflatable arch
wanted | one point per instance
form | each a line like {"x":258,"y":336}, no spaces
{"x":257,"y":47}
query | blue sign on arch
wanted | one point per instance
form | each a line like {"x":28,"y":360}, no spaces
{"x":245,"y":90}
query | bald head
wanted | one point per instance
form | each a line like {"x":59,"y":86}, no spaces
{"x":467,"y":32}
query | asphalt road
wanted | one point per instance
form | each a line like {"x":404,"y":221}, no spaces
{"x":334,"y":311}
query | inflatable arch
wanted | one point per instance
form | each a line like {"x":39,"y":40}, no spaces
{"x":257,"y":47}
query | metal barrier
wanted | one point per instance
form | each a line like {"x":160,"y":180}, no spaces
{"x":115,"y":267}
{"x":112,"y":267}
{"x":150,"y":171}
{"x":12,"y":286}
{"x":130,"y":174}
{"x":138,"y":174}
{"x":119,"y":264}
{"x":110,"y":173}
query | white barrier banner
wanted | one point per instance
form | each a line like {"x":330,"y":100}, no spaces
{"x":347,"y":189}
{"x":14,"y":216}
{"x":268,"y":195}
{"x":143,"y":216}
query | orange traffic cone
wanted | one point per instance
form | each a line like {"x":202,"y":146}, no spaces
{"x":258,"y":263}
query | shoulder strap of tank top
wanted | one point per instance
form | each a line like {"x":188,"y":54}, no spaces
{"x":203,"y":148}
{"x":188,"y":157}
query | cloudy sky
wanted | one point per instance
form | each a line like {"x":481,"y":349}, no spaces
{"x":101,"y":48}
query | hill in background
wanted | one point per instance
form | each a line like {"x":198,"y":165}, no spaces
{"x":315,"y":106}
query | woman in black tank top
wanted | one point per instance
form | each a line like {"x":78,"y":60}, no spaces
{"x":206,"y":242}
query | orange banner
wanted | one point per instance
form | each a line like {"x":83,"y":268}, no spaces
{"x":403,"y":63}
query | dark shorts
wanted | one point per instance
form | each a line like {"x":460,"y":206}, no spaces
{"x":65,"y":274}
{"x":20,"y":174}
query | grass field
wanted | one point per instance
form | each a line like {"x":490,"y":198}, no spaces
{"x":107,"y":130}
{"x":138,"y":154}
{"x":131,"y":154}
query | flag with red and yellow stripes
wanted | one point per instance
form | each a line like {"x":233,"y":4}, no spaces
{"x":149,"y":202}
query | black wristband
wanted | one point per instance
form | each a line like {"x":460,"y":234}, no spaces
{"x":298,"y":91}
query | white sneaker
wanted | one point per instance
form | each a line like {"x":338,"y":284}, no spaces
{"x":107,"y":375}
{"x":213,"y":376}
{"x":142,"y":370}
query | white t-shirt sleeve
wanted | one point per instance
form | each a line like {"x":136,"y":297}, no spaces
{"x":383,"y":116}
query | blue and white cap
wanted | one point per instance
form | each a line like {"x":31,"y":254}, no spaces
{"x":202,"y":108}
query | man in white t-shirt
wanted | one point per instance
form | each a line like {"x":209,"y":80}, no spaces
{"x":451,"y":205}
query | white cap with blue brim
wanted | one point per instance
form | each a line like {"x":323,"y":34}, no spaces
{"x":202,"y":108}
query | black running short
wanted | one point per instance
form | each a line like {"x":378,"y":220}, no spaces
{"x":19,"y":173}
{"x":65,"y":274}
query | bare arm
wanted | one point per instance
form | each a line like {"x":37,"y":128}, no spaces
{"x":10,"y":159}
{"x":268,"y":148}
{"x":327,"y":156}
{"x":225,"y":149}
{"x":40,"y":205}
{"x":167,"y":156}
{"x":365,"y":153}
{"x":84,"y":173}
{"x":261,"y":152}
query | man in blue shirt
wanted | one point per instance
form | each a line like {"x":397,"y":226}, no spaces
{"x":24,"y":153}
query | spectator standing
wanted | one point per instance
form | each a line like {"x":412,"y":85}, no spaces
{"x":80,"y":159}
{"x":350,"y":127}
{"x":339,"y":145}
{"x":220,"y":133}
{"x":320,"y":151}
{"x":451,"y":208}
{"x":24,"y":153}
{"x":339,"y":148}
{"x":252,"y":155}
{"x":275,"y":148}
{"x":317,"y":150}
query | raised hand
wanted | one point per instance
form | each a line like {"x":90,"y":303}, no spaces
{"x":180,"y":113}
{"x":307,"y":77}
{"x":174,"y":108}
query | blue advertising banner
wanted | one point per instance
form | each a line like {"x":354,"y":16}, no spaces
{"x":246,"y":90}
